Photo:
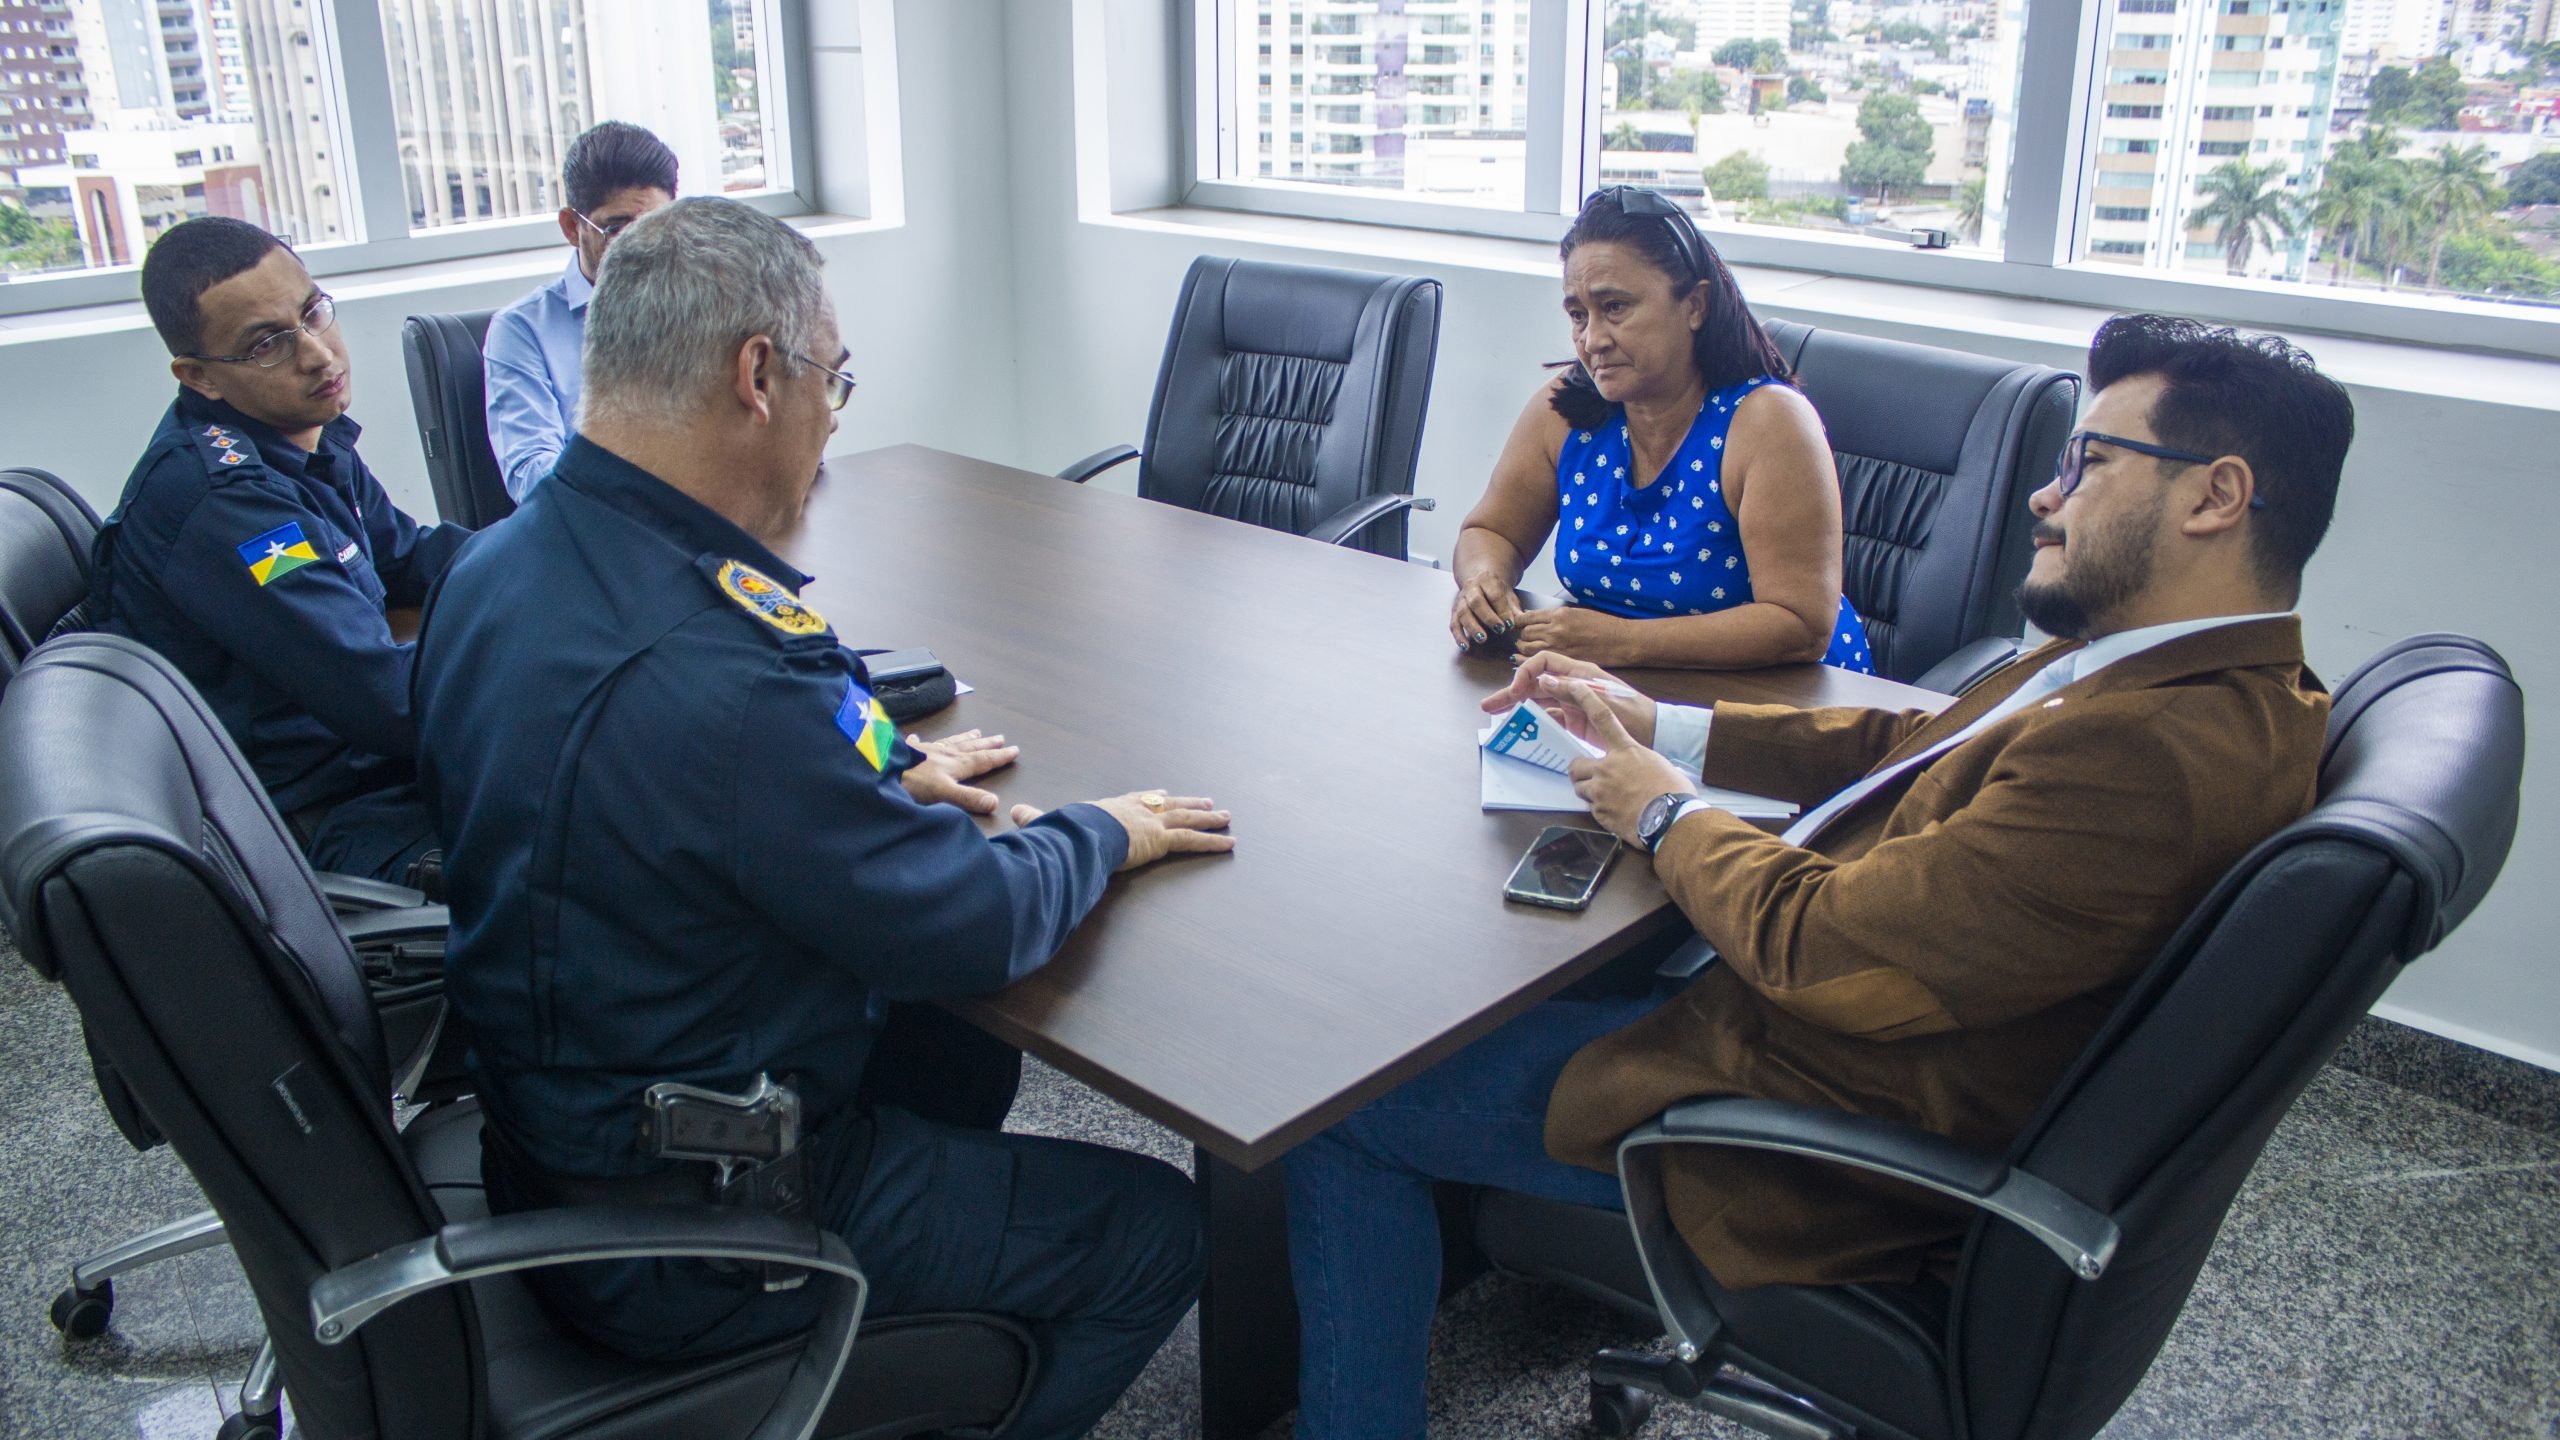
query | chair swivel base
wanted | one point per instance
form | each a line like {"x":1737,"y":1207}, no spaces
{"x":83,"y":1310}
{"x":1625,"y":1384}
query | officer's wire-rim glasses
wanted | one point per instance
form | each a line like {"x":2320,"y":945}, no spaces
{"x":2073,"y":463}
{"x":840,"y":387}
{"x":317,"y":319}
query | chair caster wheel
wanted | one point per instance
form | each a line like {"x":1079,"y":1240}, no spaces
{"x":83,"y":1314}
{"x":251,"y":1427}
{"x":1619,"y":1410}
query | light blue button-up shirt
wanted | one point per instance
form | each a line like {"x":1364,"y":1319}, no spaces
{"x":532,"y":359}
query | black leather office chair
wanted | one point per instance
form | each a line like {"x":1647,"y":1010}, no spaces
{"x":2096,"y":1221}
{"x":450,"y":390}
{"x":45,"y":533}
{"x":164,"y":889}
{"x":1938,"y":451}
{"x":1292,"y":397}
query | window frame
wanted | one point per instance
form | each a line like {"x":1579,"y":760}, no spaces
{"x":2053,"y":164}
{"x":363,"y":123}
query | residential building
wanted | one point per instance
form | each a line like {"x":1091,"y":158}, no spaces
{"x":1428,"y":95}
{"x":1720,"y":21}
{"x":43,"y":93}
{"x":138,"y":173}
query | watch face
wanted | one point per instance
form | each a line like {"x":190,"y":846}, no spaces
{"x":1657,"y":815}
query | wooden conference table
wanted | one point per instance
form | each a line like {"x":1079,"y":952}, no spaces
{"x":1358,"y":933}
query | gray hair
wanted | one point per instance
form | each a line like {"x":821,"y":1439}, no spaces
{"x":681,"y":290}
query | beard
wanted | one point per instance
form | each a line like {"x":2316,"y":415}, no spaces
{"x":2114,"y":566}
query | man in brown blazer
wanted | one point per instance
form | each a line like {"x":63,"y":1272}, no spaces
{"x":1964,"y":900}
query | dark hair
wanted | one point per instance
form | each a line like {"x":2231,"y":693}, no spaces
{"x":616,"y":155}
{"x":2254,"y":396}
{"x":188,"y":259}
{"x":1730,"y":348}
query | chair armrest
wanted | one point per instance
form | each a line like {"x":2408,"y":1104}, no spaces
{"x":1969,"y":666}
{"x":343,"y":1300}
{"x":1097,"y":462}
{"x":350,"y":893}
{"x":2085,"y":1239}
{"x":1339,"y":527}
{"x":411,"y":922}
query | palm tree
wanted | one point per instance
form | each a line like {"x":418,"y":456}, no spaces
{"x":1969,"y":210}
{"x":2246,"y":209}
{"x":2357,"y":196}
{"x":2457,"y":190}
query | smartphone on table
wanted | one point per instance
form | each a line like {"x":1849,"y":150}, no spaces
{"x":1563,"y":868}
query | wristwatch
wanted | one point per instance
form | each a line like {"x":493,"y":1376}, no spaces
{"x":1659,"y":813}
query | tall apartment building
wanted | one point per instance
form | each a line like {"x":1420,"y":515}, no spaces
{"x":288,"y":92}
{"x":146,"y":55}
{"x":43,"y":93}
{"x":1720,"y":21}
{"x":2392,"y":31}
{"x":2191,"y":85}
{"x":1417,"y":95}
{"x":226,"y":60}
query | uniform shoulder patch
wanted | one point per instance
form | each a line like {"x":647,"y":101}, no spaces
{"x":223,"y":448}
{"x":763,"y":597}
{"x":864,"y":723}
{"x":278,"y":553}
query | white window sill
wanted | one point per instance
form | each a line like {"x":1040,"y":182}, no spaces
{"x":535,"y":263}
{"x":1918,"y":312}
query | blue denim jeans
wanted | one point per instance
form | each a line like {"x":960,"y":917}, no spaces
{"x":1364,"y":1241}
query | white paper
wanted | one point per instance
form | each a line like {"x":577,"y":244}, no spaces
{"x":1528,"y":733}
{"x":1508,"y":784}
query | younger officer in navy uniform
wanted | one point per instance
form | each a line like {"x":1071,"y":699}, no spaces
{"x":255,"y":550}
{"x":688,"y":846}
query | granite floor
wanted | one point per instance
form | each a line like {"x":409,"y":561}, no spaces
{"x":2392,"y":1269}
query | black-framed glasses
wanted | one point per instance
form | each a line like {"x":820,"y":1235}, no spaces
{"x":2074,"y":460}
{"x":275,"y":349}
{"x":839,"y":388}
{"x":1638,"y":200}
{"x":612,"y":229}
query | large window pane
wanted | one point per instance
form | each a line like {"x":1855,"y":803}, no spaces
{"x":2328,"y":143}
{"x":120,"y":118}
{"x":1836,"y":115}
{"x":487,"y":95}
{"x":1421,"y":99}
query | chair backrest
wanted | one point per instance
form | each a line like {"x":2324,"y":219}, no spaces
{"x":2165,"y":1112}
{"x":1938,"y":451}
{"x":45,"y":533}
{"x":166,"y":896}
{"x":1288,"y":392}
{"x":450,"y":389}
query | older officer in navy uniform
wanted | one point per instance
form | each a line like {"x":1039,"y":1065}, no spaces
{"x":255,"y":550}
{"x":688,"y":846}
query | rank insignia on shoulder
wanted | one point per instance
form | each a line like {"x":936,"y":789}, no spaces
{"x":866,"y":725}
{"x":759,"y":595}
{"x":277,"y":553}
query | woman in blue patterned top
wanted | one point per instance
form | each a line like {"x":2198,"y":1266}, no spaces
{"x":1689,"y":489}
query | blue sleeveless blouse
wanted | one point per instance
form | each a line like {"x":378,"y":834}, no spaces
{"x":1672,"y":547}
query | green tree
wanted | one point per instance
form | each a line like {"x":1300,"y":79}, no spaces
{"x":1737,"y":177}
{"x":1909,"y":32}
{"x":1895,"y":149}
{"x":2245,"y":207}
{"x":2359,"y":195}
{"x":2456,"y":190}
{"x":1753,"y":57}
{"x":2490,"y":261}
{"x":2536,"y":181}
{"x":27,"y":243}
{"x":1969,"y":198}
{"x":1625,"y":137}
{"x":2428,"y":98}
{"x":1926,"y":86}
{"x":1801,"y":88}
{"x":1682,"y":89}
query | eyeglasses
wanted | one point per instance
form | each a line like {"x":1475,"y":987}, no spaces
{"x":839,"y":389}
{"x":2073,"y":464}
{"x":1637,"y":200}
{"x":267,"y":354}
{"x":612,"y":229}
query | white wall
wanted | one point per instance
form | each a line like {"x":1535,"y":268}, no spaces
{"x":927,"y":306}
{"x":2444,"y":523}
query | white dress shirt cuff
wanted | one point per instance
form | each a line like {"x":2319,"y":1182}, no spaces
{"x":1680,"y":735}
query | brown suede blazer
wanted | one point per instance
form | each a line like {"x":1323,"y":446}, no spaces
{"x":1945,"y":948}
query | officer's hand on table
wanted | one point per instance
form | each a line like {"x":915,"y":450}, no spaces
{"x":949,"y":763}
{"x":1627,"y":776}
{"x":1542,"y":677}
{"x":1158,"y":824}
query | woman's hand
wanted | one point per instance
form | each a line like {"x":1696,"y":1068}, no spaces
{"x":1583,"y":633}
{"x":950,"y":763}
{"x":1486,"y":606}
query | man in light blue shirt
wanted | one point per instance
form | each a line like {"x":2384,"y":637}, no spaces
{"x":615,"y":173}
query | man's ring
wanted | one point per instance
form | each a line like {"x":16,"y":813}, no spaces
{"x":1152,"y":801}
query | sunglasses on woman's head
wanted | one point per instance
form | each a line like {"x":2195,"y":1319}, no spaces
{"x":1637,"y":200}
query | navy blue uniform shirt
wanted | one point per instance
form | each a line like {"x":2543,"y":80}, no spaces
{"x":676,"y":845}
{"x":263,"y":571}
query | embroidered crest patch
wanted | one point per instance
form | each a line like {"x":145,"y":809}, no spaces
{"x":277,"y":553}
{"x":759,"y":596}
{"x":866,"y":725}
